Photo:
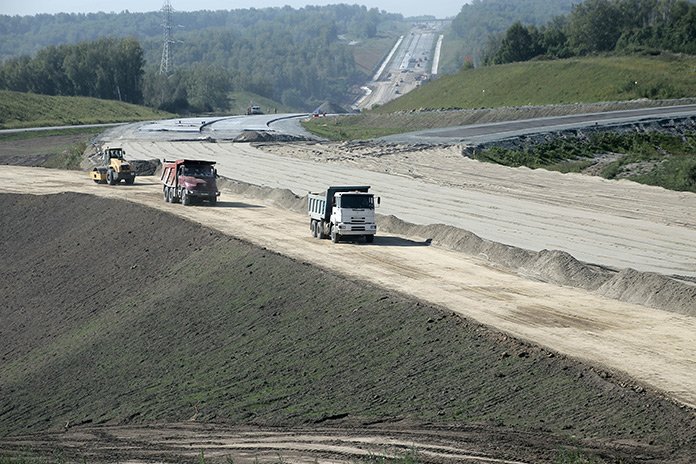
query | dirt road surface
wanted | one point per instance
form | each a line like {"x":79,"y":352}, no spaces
{"x":615,"y":224}
{"x":171,"y":442}
{"x":656,"y":348}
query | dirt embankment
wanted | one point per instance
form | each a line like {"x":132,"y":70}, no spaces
{"x":115,"y":314}
{"x":554,"y":266}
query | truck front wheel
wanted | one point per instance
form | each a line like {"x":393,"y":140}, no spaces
{"x":335,"y":237}
{"x":369,"y":238}
{"x":185,"y":199}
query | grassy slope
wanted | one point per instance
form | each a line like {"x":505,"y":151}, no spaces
{"x":587,"y":80}
{"x":31,"y":110}
{"x":183,"y":321}
{"x":369,"y":54}
{"x":580,"y":80}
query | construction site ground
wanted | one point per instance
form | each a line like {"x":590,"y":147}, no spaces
{"x":621,"y":356}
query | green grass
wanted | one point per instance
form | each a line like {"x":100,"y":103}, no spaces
{"x":28,"y":135}
{"x":652,"y":158}
{"x":370,"y":53}
{"x":576,"y":457}
{"x":347,"y":128}
{"x":69,"y":158}
{"x":579,"y":80}
{"x":515,"y":87}
{"x":19,"y":110}
{"x":61,"y":149}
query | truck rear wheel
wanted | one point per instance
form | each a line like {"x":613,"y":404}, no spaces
{"x":313,"y":228}
{"x":130,"y":181}
{"x":165,"y":193}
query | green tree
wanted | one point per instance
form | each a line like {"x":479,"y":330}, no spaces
{"x":594,"y":26}
{"x":519,"y":44}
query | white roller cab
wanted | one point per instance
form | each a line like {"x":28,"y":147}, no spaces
{"x":342,"y":211}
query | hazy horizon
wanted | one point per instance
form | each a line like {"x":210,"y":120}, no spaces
{"x":437,"y":8}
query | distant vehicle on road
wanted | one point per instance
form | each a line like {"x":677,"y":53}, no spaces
{"x":188,"y":181}
{"x":342,"y":211}
{"x":253,"y":109}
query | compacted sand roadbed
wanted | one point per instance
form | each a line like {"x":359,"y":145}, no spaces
{"x":616,"y":224}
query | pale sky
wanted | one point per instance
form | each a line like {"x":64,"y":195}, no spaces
{"x":437,"y":8}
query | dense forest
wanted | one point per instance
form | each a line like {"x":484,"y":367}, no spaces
{"x":482,"y":19}
{"x":603,"y":26}
{"x":111,"y":69}
{"x":298,"y":57}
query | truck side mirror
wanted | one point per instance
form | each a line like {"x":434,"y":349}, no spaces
{"x":378,"y":199}
{"x":215,"y":173}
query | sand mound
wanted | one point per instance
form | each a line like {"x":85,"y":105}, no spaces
{"x":146,"y":167}
{"x":265,"y":136}
{"x":553,"y":266}
{"x":651,"y":289}
{"x":560,"y":268}
{"x":281,"y":197}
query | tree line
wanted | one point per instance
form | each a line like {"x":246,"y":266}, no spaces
{"x":480,"y":19}
{"x":600,"y":26}
{"x":25,"y":35}
{"x":296,"y":56}
{"x":108,"y":68}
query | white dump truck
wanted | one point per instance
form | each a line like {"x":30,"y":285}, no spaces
{"x":342,"y":211}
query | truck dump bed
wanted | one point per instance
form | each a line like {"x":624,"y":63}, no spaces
{"x":319,"y":204}
{"x":170,"y":169}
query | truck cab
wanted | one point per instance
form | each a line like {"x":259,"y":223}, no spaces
{"x":189,"y":181}
{"x":343,"y":211}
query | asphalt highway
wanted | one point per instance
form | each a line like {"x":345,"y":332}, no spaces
{"x":480,"y":133}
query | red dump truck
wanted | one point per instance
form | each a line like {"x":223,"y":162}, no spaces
{"x":189,"y":181}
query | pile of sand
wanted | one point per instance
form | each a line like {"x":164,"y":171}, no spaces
{"x":553,"y":266}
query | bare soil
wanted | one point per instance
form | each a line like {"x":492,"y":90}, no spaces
{"x":131,"y":335}
{"x":120,"y":315}
{"x":35,"y":151}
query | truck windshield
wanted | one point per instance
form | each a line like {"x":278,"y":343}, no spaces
{"x":357,"y":201}
{"x":198,"y":171}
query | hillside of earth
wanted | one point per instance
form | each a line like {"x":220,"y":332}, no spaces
{"x":152,"y":319}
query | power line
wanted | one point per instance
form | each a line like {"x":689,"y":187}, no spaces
{"x":167,"y":39}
